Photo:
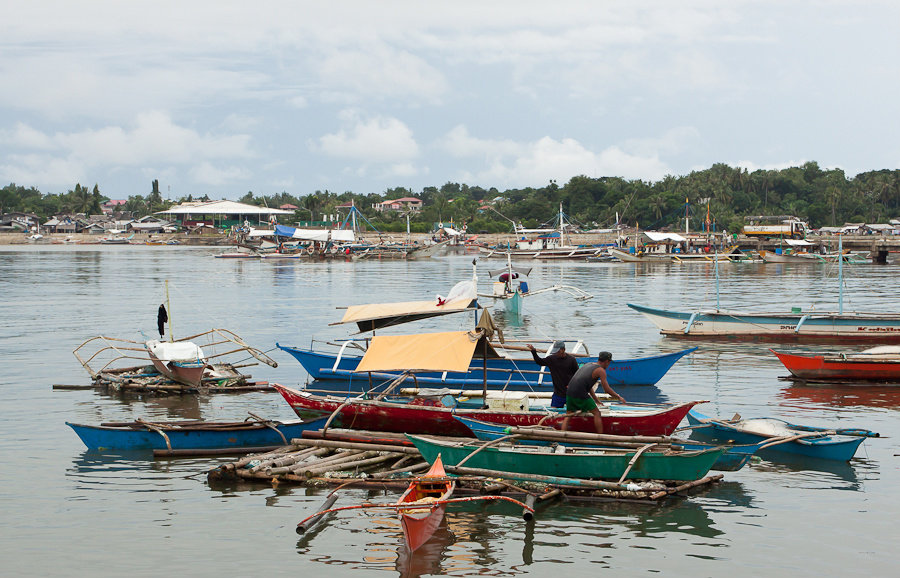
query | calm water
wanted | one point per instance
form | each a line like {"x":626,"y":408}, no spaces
{"x":69,"y":512}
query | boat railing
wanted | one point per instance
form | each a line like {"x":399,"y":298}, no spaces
{"x":122,"y":347}
{"x":111,"y":344}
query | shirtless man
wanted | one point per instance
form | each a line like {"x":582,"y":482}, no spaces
{"x":580,"y":394}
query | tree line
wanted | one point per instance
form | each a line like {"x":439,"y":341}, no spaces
{"x":727,"y":194}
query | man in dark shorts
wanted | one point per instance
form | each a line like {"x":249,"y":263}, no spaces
{"x":580,"y":394}
{"x":562,"y":367}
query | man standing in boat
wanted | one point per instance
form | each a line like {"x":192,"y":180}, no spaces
{"x":562,"y":367}
{"x":580,"y":395}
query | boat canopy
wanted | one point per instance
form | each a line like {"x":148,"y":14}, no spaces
{"x":378,"y":315}
{"x":798,"y":242}
{"x":448,"y":351}
{"x":315,"y":234}
{"x":655,"y":236}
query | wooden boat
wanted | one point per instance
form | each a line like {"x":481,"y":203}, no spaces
{"x":506,"y":372}
{"x":878,"y":364}
{"x":437,"y":419}
{"x":734,"y":458}
{"x":183,"y":435}
{"x":798,"y":257}
{"x":111,"y":360}
{"x":425,"y":499}
{"x":180,"y":361}
{"x":774,"y":326}
{"x":511,"y":295}
{"x":783,"y":437}
{"x":794,"y":326}
{"x":579,"y":463}
{"x":551,"y":243}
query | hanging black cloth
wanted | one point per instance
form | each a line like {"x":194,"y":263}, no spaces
{"x":161,"y":318}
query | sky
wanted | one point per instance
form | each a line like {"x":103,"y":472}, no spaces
{"x":221,"y":98}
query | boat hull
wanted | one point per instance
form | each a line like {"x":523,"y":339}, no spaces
{"x":838,"y":448}
{"x":518,"y":373}
{"x":821,"y":368}
{"x":575,"y":463}
{"x":438,"y":420}
{"x":774,"y":326}
{"x":109,"y":438}
{"x":186,"y":373}
{"x":734,"y":458}
{"x":423,"y":518}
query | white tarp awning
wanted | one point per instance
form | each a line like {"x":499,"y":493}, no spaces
{"x":345,"y":235}
{"x":798,"y":242}
{"x":655,"y":236}
{"x":451,"y":231}
{"x":260,"y":233}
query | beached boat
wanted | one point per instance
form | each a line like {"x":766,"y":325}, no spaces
{"x":878,"y":364}
{"x":191,"y":435}
{"x":509,"y":372}
{"x":734,"y":458}
{"x":424,"y":503}
{"x":782,"y":437}
{"x":430,"y":417}
{"x":570,"y":462}
{"x":794,"y":326}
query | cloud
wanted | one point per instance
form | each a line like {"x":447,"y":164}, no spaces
{"x":207,"y":174}
{"x":152,"y":140}
{"x":375,"y":140}
{"x":509,"y":163}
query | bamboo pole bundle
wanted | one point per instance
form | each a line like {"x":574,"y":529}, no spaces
{"x":328,"y":465}
{"x":354,"y":445}
{"x":417,"y":467}
{"x":326,"y":460}
{"x":351,"y":465}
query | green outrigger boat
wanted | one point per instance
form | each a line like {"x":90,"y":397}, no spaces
{"x":581,"y":463}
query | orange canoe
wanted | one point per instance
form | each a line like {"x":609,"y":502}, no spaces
{"x":425,"y":496}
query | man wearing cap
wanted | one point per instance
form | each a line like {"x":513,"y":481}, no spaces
{"x":580,"y":394}
{"x":562,"y":367}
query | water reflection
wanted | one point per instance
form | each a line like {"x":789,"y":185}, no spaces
{"x":811,"y":473}
{"x":842,"y":395}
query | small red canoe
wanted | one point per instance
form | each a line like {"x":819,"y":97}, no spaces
{"x":879,"y":364}
{"x":426,"y":498}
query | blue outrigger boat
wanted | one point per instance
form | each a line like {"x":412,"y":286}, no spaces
{"x":504,"y":372}
{"x":781,"y":437}
{"x":734,"y":458}
{"x":191,"y":435}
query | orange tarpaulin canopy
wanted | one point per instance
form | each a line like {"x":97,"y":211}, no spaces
{"x":449,"y":351}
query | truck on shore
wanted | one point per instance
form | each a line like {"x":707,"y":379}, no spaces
{"x":786,"y":226}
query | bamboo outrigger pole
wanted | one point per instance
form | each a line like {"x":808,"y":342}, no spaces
{"x":169,"y":309}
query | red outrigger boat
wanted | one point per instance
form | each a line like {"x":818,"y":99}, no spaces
{"x":424,"y":504}
{"x":389,"y":416}
{"x":879,"y":364}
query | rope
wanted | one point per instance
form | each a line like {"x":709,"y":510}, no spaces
{"x":158,"y":430}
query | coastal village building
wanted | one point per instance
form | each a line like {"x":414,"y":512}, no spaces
{"x":222,"y":214}
{"x":406,"y":203}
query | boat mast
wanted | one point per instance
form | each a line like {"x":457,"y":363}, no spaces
{"x":840,"y":274}
{"x":686,"y":205}
{"x":169,"y":309}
